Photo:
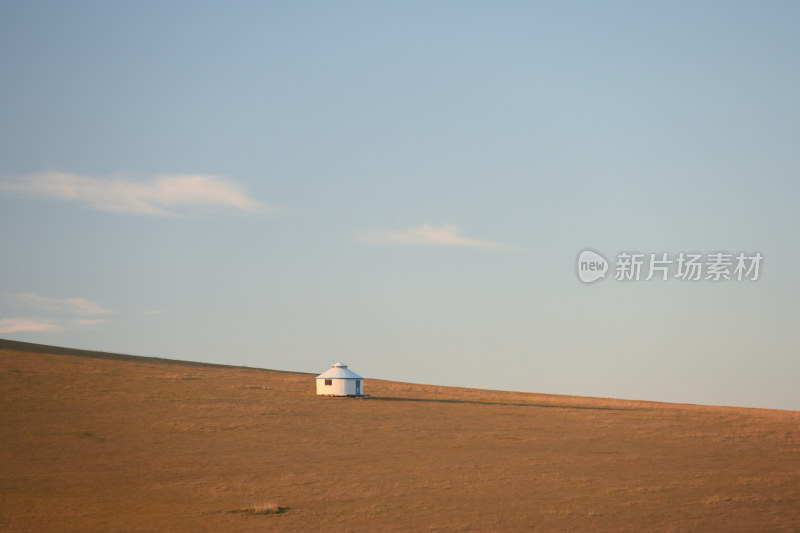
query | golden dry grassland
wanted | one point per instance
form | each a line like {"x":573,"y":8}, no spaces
{"x":98,"y":442}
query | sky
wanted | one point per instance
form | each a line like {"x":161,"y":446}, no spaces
{"x":407,"y":187}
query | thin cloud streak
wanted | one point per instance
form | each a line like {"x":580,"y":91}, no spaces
{"x":79,"y":306}
{"x":16,"y":325}
{"x":158,"y":196}
{"x":427,"y":235}
{"x":42,"y":325}
{"x":87,"y":322}
{"x":70,"y":313}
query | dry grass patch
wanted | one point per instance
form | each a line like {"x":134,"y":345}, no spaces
{"x":105,"y":442}
{"x":264,"y":508}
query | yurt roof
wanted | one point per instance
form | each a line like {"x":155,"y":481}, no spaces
{"x":339,"y":371}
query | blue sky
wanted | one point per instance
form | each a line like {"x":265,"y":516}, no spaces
{"x":406,"y":187}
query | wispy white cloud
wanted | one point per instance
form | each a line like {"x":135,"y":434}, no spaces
{"x":47,"y":325}
{"x":61,"y":314}
{"x":447,"y":235}
{"x":86,"y":322}
{"x":15,"y":325}
{"x":158,"y":196}
{"x":79,"y":306}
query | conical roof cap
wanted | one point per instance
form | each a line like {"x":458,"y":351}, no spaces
{"x":339,"y":371}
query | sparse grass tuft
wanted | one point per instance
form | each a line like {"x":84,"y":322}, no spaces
{"x":267,"y":508}
{"x":264,"y":508}
{"x":88,"y":435}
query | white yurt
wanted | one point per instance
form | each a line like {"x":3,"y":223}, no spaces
{"x":338,"y":380}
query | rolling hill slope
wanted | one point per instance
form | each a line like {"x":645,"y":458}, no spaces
{"x":106,"y":442}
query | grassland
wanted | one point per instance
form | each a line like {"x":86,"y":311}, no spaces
{"x":99,"y":442}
